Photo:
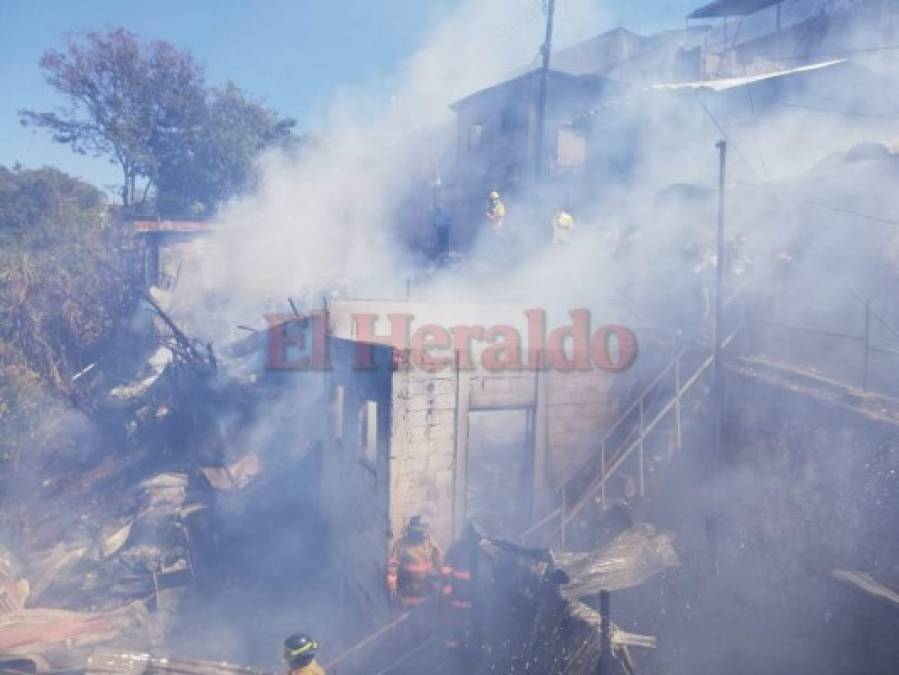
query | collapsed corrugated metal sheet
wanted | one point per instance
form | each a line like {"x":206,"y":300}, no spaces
{"x":63,"y":639}
{"x":135,"y":663}
{"x":525,"y":619}
{"x":632,"y":558}
{"x":868,"y":584}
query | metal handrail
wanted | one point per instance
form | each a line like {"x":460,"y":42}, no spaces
{"x":540,"y":523}
{"x":369,"y":639}
{"x":623,"y":455}
{"x":600,"y":452}
{"x":623,"y":416}
{"x":638,"y":402}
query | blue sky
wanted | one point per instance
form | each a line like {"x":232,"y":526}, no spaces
{"x":291,"y":53}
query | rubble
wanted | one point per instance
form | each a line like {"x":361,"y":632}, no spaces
{"x":101,"y":553}
{"x":868,"y":584}
{"x":63,"y":639}
{"x":527,"y":613}
{"x":147,"y":664}
{"x":630,"y":559}
{"x":237,"y":475}
{"x":550,"y":630}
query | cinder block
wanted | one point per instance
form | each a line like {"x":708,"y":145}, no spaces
{"x":420,"y":403}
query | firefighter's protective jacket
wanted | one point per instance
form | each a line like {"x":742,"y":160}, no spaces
{"x":563,"y":224}
{"x":413,"y":570}
{"x":309,"y":669}
{"x":457,"y":578}
{"x":457,"y":593}
{"x":496,"y":212}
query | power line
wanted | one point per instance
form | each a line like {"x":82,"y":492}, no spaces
{"x":727,"y":138}
{"x":831,"y":207}
{"x":483,"y":29}
{"x":520,"y":27}
{"x":756,"y":130}
{"x":835,"y":111}
{"x":859,"y":214}
{"x":512,"y":29}
{"x":841,"y":52}
{"x":522,"y":19}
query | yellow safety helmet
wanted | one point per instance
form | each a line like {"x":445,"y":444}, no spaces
{"x":494,"y":195}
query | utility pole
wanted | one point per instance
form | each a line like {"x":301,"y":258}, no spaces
{"x":546,"y":49}
{"x":715,"y":462}
{"x":717,"y":328}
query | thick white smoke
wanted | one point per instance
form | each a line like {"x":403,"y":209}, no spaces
{"x":325,"y":219}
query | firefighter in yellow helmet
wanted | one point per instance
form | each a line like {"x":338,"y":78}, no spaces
{"x":414,"y":568}
{"x":563,"y":225}
{"x":299,"y":652}
{"x":496,"y":212}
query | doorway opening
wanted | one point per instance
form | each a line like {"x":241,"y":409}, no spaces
{"x":500,"y":470}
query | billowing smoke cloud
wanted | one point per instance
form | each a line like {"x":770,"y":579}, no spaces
{"x":324,"y":221}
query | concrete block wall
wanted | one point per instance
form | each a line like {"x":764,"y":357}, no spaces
{"x":579,"y":408}
{"x":355,"y":495}
{"x":572,"y":411}
{"x":421,"y":464}
{"x":502,"y":390}
{"x":423,"y":450}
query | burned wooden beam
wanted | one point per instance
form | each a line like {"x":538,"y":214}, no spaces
{"x":184,"y":346}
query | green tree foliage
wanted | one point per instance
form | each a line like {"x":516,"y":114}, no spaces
{"x":220,"y":162}
{"x":129,"y":101}
{"x":146,"y":106}
{"x":67,"y":277}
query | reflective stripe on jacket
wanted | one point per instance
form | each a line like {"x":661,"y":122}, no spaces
{"x":412,"y":568}
{"x":457,"y":579}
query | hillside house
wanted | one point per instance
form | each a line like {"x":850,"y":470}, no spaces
{"x":464,"y":443}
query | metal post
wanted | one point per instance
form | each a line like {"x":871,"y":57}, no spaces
{"x":602,"y":485}
{"x":718,"y":372}
{"x":717,"y":328}
{"x":640,"y":456}
{"x":867,"y":344}
{"x":605,"y":655}
{"x":678,"y":434}
{"x":540,"y":131}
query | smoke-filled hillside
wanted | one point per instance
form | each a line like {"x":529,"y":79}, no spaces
{"x":541,"y":343}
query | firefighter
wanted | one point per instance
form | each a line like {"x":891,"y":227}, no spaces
{"x":457,"y":594}
{"x":496,"y":212}
{"x":412,"y":573}
{"x":563,"y":225}
{"x":299,"y":652}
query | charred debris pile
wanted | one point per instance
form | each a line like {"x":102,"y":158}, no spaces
{"x":107,"y":527}
{"x":533,"y":610}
